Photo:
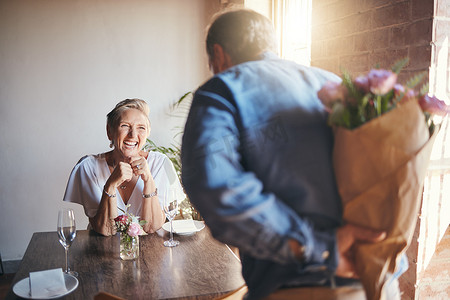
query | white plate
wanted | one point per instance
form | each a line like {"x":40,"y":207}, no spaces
{"x":184,"y":227}
{"x":22,"y":288}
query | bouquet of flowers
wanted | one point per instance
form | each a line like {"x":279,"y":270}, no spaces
{"x":130,"y":228}
{"x":384,"y":132}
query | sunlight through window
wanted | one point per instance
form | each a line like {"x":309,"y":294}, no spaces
{"x":292,"y":21}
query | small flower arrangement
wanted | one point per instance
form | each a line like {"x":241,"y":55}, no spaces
{"x":354,"y":102}
{"x":130,"y":228}
{"x":129,"y":224}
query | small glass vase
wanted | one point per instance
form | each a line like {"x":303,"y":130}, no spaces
{"x":129,"y":246}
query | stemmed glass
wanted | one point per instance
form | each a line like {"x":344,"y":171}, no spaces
{"x":67,"y":232}
{"x":171,"y":209}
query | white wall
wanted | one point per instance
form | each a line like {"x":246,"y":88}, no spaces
{"x":63,"y":65}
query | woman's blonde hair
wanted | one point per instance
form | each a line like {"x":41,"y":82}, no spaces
{"x":113,"y":117}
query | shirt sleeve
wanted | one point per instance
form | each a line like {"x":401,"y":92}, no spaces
{"x":232,"y":200}
{"x":83,"y":188}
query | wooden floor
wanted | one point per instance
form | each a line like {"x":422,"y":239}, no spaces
{"x":5,"y":283}
{"x":10,"y":268}
{"x":435,"y":283}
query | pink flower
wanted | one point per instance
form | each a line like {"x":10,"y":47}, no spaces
{"x":381,"y":81}
{"x":398,"y":89}
{"x":134,"y":229}
{"x":362,"y":82}
{"x":406,"y":94}
{"x":332,"y":92}
{"x":433,"y":105}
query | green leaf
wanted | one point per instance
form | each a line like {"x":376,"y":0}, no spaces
{"x":415,"y":80}
{"x":339,"y":115}
{"x":377,"y":103}
{"x":362,"y":108}
{"x":424,"y":89}
{"x":347,"y":81}
{"x":365,"y":100}
{"x":174,"y":151}
{"x":179,"y":101}
{"x":399,"y":65}
{"x":384,"y":104}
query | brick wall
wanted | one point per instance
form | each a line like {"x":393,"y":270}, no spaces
{"x":356,"y":35}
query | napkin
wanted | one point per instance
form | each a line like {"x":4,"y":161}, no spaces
{"x":184,"y":226}
{"x":48,"y":283}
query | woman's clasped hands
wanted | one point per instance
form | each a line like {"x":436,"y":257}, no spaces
{"x":124,"y":171}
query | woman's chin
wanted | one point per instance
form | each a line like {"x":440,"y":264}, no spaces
{"x":129,"y":152}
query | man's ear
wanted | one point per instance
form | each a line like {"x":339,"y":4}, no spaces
{"x":221,"y":59}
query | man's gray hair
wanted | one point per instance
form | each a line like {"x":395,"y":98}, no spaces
{"x":244,"y":34}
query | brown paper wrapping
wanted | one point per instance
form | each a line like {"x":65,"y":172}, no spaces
{"x":380,"y":168}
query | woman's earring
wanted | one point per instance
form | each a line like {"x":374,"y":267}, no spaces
{"x":111,"y":144}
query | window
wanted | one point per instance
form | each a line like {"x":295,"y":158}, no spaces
{"x":292,"y":22}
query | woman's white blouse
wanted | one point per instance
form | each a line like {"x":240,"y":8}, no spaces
{"x":88,"y":177}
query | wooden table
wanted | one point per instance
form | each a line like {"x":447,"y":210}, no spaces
{"x":199,"y":268}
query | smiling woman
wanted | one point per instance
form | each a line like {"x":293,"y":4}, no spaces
{"x":126,"y":175}
{"x":128,"y":128}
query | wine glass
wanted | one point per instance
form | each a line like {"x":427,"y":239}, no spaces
{"x":171,"y":209}
{"x":66,"y":233}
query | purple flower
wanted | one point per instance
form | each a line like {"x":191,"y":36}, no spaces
{"x":332,"y":92}
{"x":362,"y":82}
{"x":398,"y":89}
{"x":381,"y":81}
{"x":406,"y":94}
{"x":433,"y":105}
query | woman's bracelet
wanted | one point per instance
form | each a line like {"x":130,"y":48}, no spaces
{"x":109,"y":195}
{"x":155,"y":193}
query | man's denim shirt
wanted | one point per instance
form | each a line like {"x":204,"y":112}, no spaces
{"x":256,"y":158}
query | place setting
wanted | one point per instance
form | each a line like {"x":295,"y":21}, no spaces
{"x":184,"y":227}
{"x":181,"y":227}
{"x":48,"y":284}
{"x":53,"y":283}
{"x":44,"y":274}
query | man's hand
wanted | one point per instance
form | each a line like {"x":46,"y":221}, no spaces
{"x":347,"y":236}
